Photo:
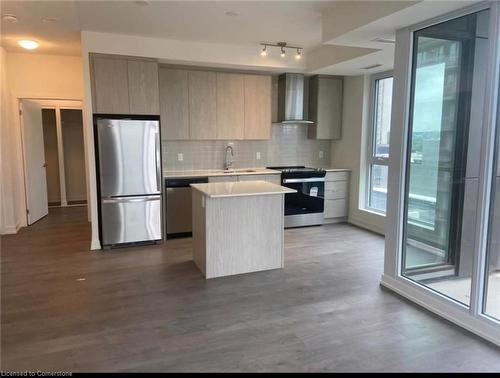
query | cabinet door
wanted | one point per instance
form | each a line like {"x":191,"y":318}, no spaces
{"x":202,"y":105}
{"x":110,"y":86}
{"x":230,"y":106}
{"x":326,"y":108}
{"x":257,"y":107}
{"x":143,"y":87}
{"x":174,"y":104}
{"x":228,"y":178}
{"x":274,"y":179}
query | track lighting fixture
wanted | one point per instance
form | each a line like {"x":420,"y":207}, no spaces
{"x":283,"y":46}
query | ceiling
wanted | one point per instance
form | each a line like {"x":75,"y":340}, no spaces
{"x":337,"y":36}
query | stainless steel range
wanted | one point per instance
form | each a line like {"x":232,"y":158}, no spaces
{"x":306,"y":207}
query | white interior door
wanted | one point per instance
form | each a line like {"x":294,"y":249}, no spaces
{"x":34,"y":161}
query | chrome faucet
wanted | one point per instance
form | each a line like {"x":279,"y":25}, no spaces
{"x":229,"y":157}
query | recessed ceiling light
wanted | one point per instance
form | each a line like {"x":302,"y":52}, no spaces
{"x":28,"y":44}
{"x":10,"y":18}
{"x":49,"y":19}
{"x":384,"y":40}
{"x":232,"y":14}
{"x":372,"y":66}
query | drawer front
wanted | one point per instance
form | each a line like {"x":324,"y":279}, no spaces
{"x":335,"y":208}
{"x":336,"y":189}
{"x":228,"y":178}
{"x":131,"y":219}
{"x":337,"y":176}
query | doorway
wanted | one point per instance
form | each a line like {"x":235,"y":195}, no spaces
{"x":54,"y":158}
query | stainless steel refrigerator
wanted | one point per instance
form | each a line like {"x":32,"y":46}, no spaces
{"x":129,"y":162}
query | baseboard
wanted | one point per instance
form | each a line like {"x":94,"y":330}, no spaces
{"x":10,"y":230}
{"x":436,"y":304}
{"x":95,"y":245}
{"x":334,"y":220}
{"x":365,"y":226}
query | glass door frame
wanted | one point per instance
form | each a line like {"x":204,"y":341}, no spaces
{"x":472,"y":317}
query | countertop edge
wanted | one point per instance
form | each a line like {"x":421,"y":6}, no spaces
{"x":210,"y":173}
{"x":229,"y":195}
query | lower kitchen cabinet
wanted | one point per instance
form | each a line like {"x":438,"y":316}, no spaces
{"x":275,"y":179}
{"x":228,"y":178}
{"x":336,"y":196}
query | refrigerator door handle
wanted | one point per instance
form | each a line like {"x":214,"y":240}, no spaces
{"x":131,"y":199}
{"x":158,"y":163}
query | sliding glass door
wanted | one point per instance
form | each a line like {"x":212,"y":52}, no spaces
{"x":442,"y":162}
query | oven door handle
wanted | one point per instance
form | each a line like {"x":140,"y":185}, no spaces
{"x":310,"y":179}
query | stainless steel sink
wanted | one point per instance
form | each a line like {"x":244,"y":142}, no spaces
{"x":240,"y":171}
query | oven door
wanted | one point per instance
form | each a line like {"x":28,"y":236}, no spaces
{"x":310,"y":196}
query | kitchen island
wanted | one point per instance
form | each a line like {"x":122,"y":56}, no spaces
{"x":238,"y":227}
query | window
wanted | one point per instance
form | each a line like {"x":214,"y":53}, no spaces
{"x":378,"y":156}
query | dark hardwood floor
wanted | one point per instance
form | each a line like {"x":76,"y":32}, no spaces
{"x":64,"y":308}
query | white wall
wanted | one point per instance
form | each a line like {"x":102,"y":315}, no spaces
{"x":7,"y":169}
{"x":29,"y":76}
{"x":350,"y":150}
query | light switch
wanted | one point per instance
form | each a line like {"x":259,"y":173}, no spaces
{"x":257,"y":155}
{"x":321,"y":154}
{"x":180,"y":157}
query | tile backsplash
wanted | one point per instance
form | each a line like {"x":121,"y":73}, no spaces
{"x":288,"y":146}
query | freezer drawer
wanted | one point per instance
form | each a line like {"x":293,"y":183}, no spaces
{"x":131,"y":219}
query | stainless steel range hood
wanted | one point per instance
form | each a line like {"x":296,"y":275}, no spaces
{"x":291,"y":98}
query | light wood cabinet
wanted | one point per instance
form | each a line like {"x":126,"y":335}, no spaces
{"x":275,"y":179}
{"x":110,"y":84}
{"x":143,"y":87}
{"x":174,"y":103}
{"x":325,"y":107}
{"x":336,"y":196}
{"x":199,"y":105}
{"x":202,"y":105}
{"x":124,"y":85}
{"x":228,"y":178}
{"x":230,"y":106}
{"x":257,"y":107}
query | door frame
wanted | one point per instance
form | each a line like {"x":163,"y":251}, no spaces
{"x":471,"y":317}
{"x":57,"y":105}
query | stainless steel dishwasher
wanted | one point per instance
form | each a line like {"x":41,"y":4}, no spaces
{"x":178,"y":205}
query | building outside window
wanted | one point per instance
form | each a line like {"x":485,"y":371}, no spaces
{"x":378,"y":155}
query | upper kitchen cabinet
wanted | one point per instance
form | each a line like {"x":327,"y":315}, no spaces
{"x":202,"y":105}
{"x":230,"y":106}
{"x":325,"y":107}
{"x":257,"y":107}
{"x":124,"y":86}
{"x":110,"y":85}
{"x":143,"y":87}
{"x":174,"y":103}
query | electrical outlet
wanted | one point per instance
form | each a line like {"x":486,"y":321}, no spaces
{"x":180,"y":157}
{"x":321,"y":154}
{"x":257,"y":155}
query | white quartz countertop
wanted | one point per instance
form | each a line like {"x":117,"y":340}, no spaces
{"x":241,"y":188}
{"x":220,"y":172}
